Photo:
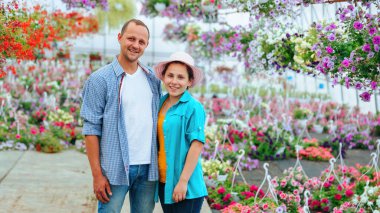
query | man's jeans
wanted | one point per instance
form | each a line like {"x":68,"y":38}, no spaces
{"x":141,"y":193}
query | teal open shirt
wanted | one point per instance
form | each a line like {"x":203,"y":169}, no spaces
{"x":184,"y":122}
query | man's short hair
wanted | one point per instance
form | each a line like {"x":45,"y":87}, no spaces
{"x":137,"y":22}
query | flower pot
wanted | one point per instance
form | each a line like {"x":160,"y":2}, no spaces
{"x":159,"y":7}
{"x":208,"y":8}
{"x":222,"y":178}
{"x":302,"y":123}
{"x":210,"y":182}
{"x":235,"y":196}
{"x":38,"y":147}
{"x":318,"y":128}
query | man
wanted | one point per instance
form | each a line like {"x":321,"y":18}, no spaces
{"x":119,"y":110}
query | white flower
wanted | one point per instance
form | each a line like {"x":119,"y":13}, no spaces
{"x":371,"y":191}
{"x":378,"y":202}
{"x":364,"y":199}
{"x":370,"y":203}
{"x":376,"y":211}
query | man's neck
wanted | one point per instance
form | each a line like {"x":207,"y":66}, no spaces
{"x":128,"y":66}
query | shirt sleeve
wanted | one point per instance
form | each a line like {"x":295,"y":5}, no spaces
{"x":195,"y":125}
{"x":93,"y":103}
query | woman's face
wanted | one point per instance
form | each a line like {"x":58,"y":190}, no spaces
{"x":176,"y":79}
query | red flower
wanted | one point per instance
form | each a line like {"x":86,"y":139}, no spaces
{"x":253,"y":188}
{"x":326,"y":209}
{"x":217,"y":206}
{"x":227,"y":197}
{"x":349,"y":193}
{"x":325,"y":200}
{"x":338,"y":196}
{"x":221,"y":190}
{"x":315,"y":203}
{"x":18,"y":136}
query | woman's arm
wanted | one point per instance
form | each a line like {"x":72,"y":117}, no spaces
{"x":180,"y":190}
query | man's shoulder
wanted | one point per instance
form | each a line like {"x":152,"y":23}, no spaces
{"x":103,"y":72}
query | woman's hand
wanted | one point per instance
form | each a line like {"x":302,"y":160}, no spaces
{"x":179,"y":193}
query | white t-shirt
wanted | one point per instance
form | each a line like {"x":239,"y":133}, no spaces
{"x":136,"y":100}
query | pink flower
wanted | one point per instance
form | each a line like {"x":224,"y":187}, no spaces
{"x":283,"y":196}
{"x":265,"y":206}
{"x":221,"y":190}
{"x":33,"y":131}
{"x":18,"y":136}
{"x":326,"y":208}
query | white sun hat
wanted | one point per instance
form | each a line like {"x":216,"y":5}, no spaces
{"x":184,"y":58}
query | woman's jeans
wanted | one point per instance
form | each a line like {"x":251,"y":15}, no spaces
{"x":185,"y":206}
{"x":141,"y":193}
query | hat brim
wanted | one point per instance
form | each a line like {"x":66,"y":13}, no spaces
{"x":197,"y":73}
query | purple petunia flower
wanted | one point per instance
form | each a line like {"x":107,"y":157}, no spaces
{"x":373,"y":85}
{"x":358,"y":85}
{"x":353,"y":69}
{"x":376,"y":40}
{"x":319,"y":27}
{"x":346,"y":63}
{"x":332,"y":26}
{"x":331,"y":37}
{"x":370,"y":55}
{"x":351,"y":7}
{"x":358,"y":25}
{"x":366,"y":48}
{"x":376,"y":47}
{"x":335,"y":81}
{"x":347,"y":82}
{"x":329,"y":50}
{"x":365,"y":96}
{"x":319,"y":53}
{"x":372,"y":31}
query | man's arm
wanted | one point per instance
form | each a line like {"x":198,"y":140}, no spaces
{"x":100,"y":182}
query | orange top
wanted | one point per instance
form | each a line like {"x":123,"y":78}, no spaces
{"x":161,"y":150}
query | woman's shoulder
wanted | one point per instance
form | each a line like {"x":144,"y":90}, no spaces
{"x":194,"y":105}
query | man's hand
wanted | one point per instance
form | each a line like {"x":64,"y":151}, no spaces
{"x":179,"y":193}
{"x":102,"y":188}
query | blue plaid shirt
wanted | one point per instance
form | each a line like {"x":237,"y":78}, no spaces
{"x":102,"y":116}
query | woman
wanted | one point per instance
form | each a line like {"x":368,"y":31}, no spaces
{"x":181,"y":121}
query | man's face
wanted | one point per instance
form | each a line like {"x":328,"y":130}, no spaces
{"x":133,"y":42}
